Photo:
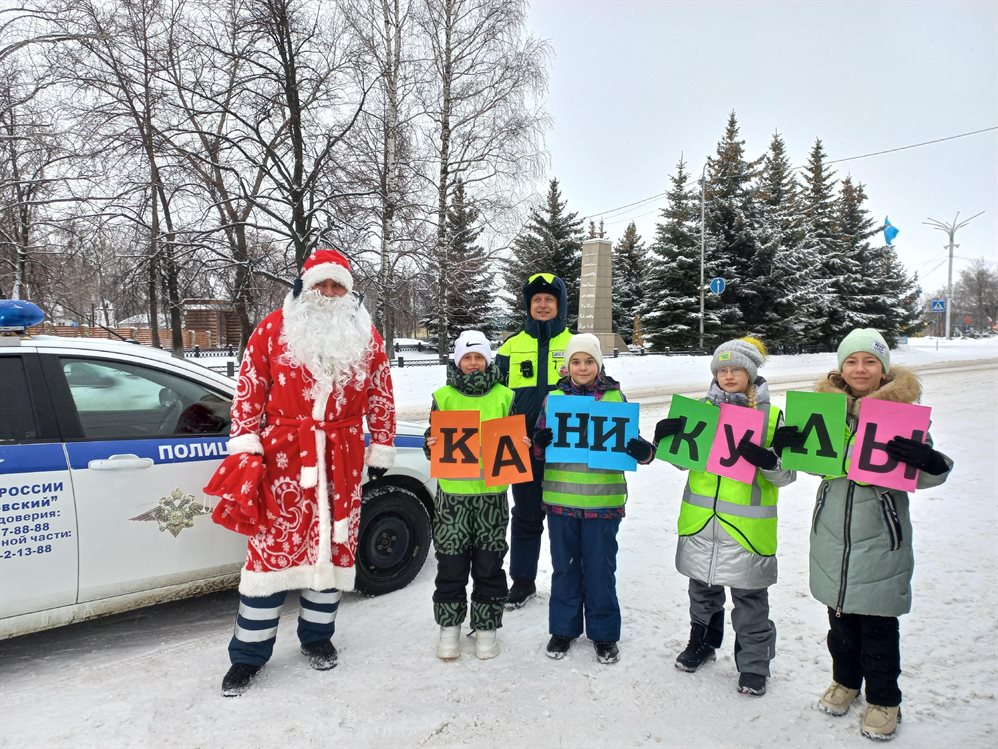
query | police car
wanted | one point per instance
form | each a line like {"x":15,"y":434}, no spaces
{"x":104,"y":448}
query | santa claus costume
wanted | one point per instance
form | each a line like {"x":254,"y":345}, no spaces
{"x":312,"y":371}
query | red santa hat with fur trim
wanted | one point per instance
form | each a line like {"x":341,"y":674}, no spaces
{"x":325,"y":265}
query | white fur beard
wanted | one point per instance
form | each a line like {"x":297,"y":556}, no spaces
{"x":329,"y":336}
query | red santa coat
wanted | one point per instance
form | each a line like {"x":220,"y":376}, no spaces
{"x":303,"y":520}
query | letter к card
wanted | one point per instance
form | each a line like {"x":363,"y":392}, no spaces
{"x":690,"y":447}
{"x":457,"y":453}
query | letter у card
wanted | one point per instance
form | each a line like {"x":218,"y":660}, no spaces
{"x":735,"y":422}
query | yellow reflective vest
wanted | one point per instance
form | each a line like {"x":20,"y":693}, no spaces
{"x":746,"y":511}
{"x":494,"y":404}
{"x":577,"y":485}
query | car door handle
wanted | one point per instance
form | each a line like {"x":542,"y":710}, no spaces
{"x":120,"y":462}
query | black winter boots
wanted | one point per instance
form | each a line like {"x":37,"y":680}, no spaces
{"x":321,"y":655}
{"x":238,"y":679}
{"x":519,"y":593}
{"x":697,"y":651}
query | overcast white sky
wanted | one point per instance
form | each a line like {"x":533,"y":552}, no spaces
{"x":633,"y":85}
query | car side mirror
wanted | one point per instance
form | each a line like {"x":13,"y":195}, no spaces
{"x":168,"y":398}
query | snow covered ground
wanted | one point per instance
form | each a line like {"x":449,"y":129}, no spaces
{"x":152,"y":678}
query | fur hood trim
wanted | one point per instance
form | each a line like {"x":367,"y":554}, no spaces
{"x":900,"y":385}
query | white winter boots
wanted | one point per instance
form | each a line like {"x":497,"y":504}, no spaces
{"x":449,"y":644}
{"x":486,"y":644}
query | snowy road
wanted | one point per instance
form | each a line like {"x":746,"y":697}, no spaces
{"x":151,"y":678}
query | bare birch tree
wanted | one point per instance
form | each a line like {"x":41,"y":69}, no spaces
{"x":485,"y":120}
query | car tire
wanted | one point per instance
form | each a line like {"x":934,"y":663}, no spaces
{"x":393,"y":539}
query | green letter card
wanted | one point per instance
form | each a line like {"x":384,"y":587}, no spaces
{"x":822,"y":419}
{"x":690,"y":447}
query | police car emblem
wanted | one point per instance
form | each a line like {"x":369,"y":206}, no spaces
{"x":175,"y":512}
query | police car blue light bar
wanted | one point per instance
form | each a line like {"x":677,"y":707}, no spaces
{"x":17,"y":315}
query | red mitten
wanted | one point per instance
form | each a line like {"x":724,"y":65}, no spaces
{"x":238,"y":483}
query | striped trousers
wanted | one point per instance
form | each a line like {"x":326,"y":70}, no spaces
{"x":256,"y":623}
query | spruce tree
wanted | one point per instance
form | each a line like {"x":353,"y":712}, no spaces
{"x":551,"y":242}
{"x":469,"y":279}
{"x":628,"y":272}
{"x":670,"y":311}
{"x":785,"y":269}
{"x":733,"y":229}
{"x":836,"y":273}
{"x":864,"y":304}
{"x":470,"y":293}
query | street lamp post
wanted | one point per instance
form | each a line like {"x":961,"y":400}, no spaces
{"x":950,"y":230}
{"x":703,"y":228}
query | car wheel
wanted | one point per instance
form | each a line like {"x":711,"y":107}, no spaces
{"x":393,"y":541}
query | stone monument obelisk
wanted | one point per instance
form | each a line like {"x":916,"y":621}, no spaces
{"x":596,"y":295}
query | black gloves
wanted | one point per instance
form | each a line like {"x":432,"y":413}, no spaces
{"x":785,"y":437}
{"x":543,"y":437}
{"x":917,"y":454}
{"x":376,"y":474}
{"x":760,"y":457}
{"x":641,"y":450}
{"x":666,"y":428}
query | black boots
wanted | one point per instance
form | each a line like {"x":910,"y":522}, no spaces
{"x":697,"y":650}
{"x":606,"y":651}
{"x":519,"y":593}
{"x":753,"y":684}
{"x":238,"y":679}
{"x":321,"y":655}
{"x":558,"y":647}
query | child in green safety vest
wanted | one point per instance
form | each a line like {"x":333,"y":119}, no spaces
{"x":584,"y":508}
{"x":469,"y":524}
{"x":727,"y":529}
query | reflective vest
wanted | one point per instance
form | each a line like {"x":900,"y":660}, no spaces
{"x":523,"y":348}
{"x":494,"y":404}
{"x":578,"y":485}
{"x":746,"y":511}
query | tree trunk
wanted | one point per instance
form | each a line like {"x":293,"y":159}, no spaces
{"x":443,"y":323}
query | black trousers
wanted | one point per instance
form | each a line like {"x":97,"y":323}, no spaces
{"x":866,"y":649}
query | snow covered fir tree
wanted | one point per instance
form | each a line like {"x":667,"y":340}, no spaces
{"x":628,"y":274}
{"x":550,"y":242}
{"x":796,"y":247}
{"x":470,"y":278}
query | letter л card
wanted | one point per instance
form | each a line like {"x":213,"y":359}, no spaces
{"x":690,"y":447}
{"x":568,"y":418}
{"x":879,"y":422}
{"x":732,"y":425}
{"x":821,"y":417}
{"x":506,"y":457}
{"x":458,"y":451}
{"x":611,"y":426}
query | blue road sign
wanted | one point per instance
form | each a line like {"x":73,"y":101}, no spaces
{"x":717,"y":285}
{"x":938,"y":305}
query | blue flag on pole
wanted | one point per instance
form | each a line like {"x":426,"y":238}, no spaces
{"x":890,"y":231}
